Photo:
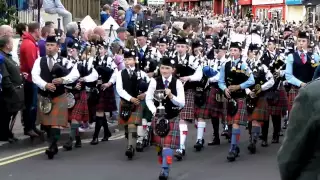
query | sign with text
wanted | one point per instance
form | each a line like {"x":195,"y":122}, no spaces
{"x":244,"y":2}
{"x":293,"y":2}
{"x":263,"y":2}
{"x":156,"y":2}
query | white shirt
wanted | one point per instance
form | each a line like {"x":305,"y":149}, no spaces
{"x":36,"y":70}
{"x":270,"y":80}
{"x":119,"y":85}
{"x":178,"y":100}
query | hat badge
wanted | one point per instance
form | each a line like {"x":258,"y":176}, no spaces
{"x":172,"y":61}
{"x":132,"y":53}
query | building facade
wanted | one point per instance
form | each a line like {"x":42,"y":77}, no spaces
{"x":245,"y":7}
{"x":263,"y":9}
{"x":296,"y":10}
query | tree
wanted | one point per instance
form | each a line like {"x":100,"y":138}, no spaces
{"x":8,"y":14}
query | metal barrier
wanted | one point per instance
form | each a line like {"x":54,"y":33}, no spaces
{"x":27,"y":10}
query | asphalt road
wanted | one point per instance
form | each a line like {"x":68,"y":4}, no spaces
{"x":107,"y":161}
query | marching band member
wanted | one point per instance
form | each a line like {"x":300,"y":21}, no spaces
{"x":167,"y":139}
{"x":300,"y":67}
{"x":79,"y":113}
{"x":52,"y":101}
{"x":107,"y":70}
{"x":256,"y":102}
{"x":235,"y":77}
{"x":188,"y":70}
{"x":130,"y":106}
{"x":142,"y":37}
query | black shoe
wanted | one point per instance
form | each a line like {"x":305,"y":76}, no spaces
{"x":50,"y":153}
{"x":130,"y":152}
{"x":183,"y":152}
{"x":178,"y":155}
{"x":199,"y":145}
{"x":94,"y":141}
{"x":264,"y":143}
{"x":252,"y":148}
{"x":78,"y":143}
{"x":68,"y":145}
{"x":215,"y":141}
{"x":224,"y":133}
{"x":231,"y":156}
{"x":38,"y":132}
{"x":275,"y":139}
{"x":139,"y":147}
{"x":163,"y":175}
{"x":105,"y":139}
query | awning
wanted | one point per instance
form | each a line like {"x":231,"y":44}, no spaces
{"x":311,"y":2}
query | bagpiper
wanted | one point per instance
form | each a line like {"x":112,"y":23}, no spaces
{"x":166,"y":119}
{"x":235,"y":77}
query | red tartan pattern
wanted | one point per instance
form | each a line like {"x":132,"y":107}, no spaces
{"x":188,"y":111}
{"x":211,"y":108}
{"x":58,"y":115}
{"x":135,"y":118}
{"x":291,"y":96}
{"x":172,"y":140}
{"x":282,"y":106}
{"x":260,"y":112}
{"x":241,"y":117}
{"x":107,"y":101}
{"x":80,"y":111}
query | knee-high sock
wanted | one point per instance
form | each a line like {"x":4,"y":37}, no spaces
{"x":215,"y":126}
{"x":235,"y":139}
{"x":250,"y":127}
{"x":265,"y":129}
{"x":132,"y":136}
{"x":106,"y":130}
{"x":183,"y":135}
{"x":167,"y":155}
{"x":276,"y":121}
{"x":145,"y":127}
{"x":200,"y":130}
{"x":74,"y":128}
{"x":255,"y":133}
{"x":140,"y":133}
{"x":98,"y":126}
{"x":54,"y":136}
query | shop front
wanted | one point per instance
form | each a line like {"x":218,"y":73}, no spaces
{"x":296,"y":10}
{"x":186,"y":4}
{"x":245,"y":7}
{"x":263,"y":9}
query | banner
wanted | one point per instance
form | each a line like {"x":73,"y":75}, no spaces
{"x":156,"y":2}
{"x":293,"y":2}
{"x":263,"y":2}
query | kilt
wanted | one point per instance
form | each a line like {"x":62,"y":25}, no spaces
{"x":260,"y":112}
{"x":282,"y":106}
{"x":172,"y":140}
{"x":135,"y":118}
{"x":107,"y":101}
{"x":241,"y":117}
{"x":211,"y":108}
{"x":146,"y":113}
{"x":58,"y":115}
{"x":188,"y":111}
{"x":291,"y":96}
{"x":80,"y":111}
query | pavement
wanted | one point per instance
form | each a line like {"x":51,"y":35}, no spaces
{"x":107,"y":161}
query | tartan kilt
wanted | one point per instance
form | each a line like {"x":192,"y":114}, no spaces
{"x":211,"y":108}
{"x":107,"y":101}
{"x":188,"y":111}
{"x":58,"y":115}
{"x":291,"y":96}
{"x":282,"y":106}
{"x":146,"y":113}
{"x":260,"y":112}
{"x":241,"y":117}
{"x":135,"y":118}
{"x":80,"y":111}
{"x":172,"y":140}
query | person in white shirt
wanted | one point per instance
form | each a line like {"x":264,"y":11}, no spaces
{"x":173,"y":103}
{"x":50,"y":88}
{"x":56,"y":7}
{"x":127,"y":85}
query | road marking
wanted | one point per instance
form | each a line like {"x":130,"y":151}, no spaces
{"x":35,"y":152}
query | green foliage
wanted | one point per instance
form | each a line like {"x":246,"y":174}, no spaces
{"x":8,"y":14}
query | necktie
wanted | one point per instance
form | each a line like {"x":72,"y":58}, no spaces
{"x":50,"y":64}
{"x":303,"y":58}
{"x":141,"y":53}
{"x":166,"y":84}
{"x":131,"y":73}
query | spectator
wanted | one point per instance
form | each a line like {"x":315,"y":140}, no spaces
{"x":120,"y":20}
{"x":56,"y":7}
{"x":101,"y":32}
{"x":6,"y":30}
{"x":121,"y":36}
{"x":29,"y":52}
{"x":12,"y":86}
{"x":49,"y":23}
{"x":20,"y":29}
{"x":71,"y":35}
{"x":130,"y":17}
{"x":45,"y":32}
{"x":104,"y":14}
